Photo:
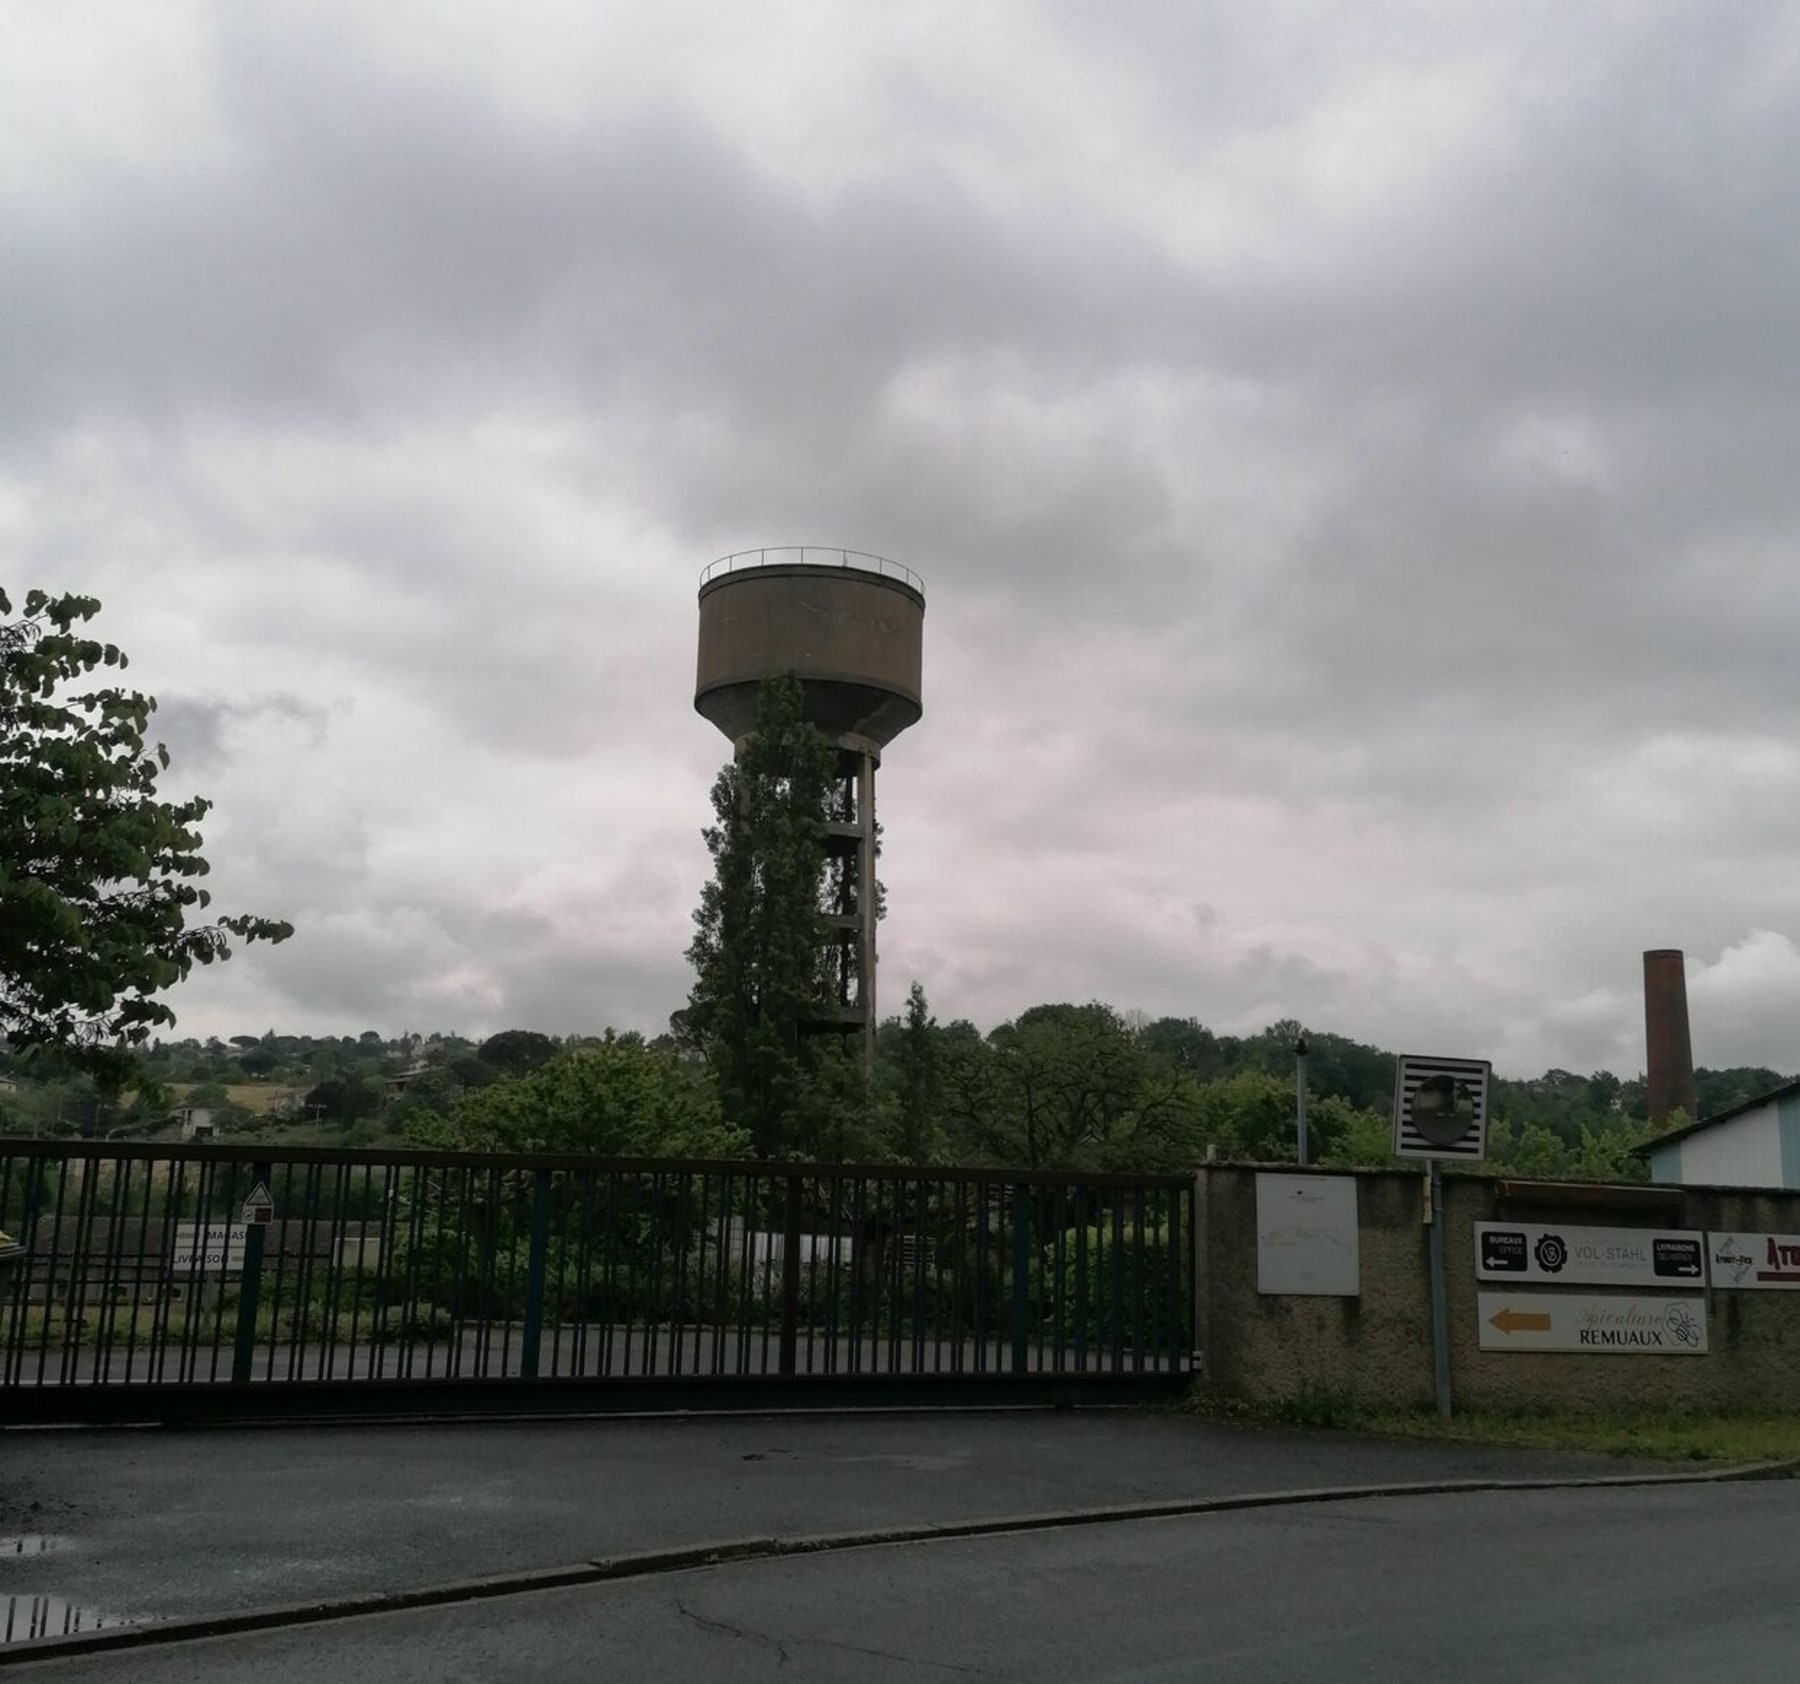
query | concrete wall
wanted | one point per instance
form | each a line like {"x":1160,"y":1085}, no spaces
{"x":1376,"y":1347}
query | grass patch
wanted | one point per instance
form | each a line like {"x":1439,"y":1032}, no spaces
{"x":1672,"y":1435}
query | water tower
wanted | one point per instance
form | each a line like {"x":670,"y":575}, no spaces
{"x":850,"y":627}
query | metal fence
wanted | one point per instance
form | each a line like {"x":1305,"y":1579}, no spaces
{"x":142,"y":1267}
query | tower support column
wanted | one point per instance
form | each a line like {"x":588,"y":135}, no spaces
{"x":866,"y":902}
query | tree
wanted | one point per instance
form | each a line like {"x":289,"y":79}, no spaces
{"x":614,"y":1096}
{"x":516,"y":1052}
{"x":97,"y":875}
{"x":759,"y":948}
{"x":1067,"y":1087}
{"x":344,"y":1099}
{"x":919,"y":1090}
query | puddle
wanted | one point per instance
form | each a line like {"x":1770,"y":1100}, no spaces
{"x":24,"y":1617}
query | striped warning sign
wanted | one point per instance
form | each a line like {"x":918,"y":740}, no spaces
{"x":1441,"y":1107}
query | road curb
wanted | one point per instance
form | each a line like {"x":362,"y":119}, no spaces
{"x":690,"y":1557}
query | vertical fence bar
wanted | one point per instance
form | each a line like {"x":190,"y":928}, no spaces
{"x":531,"y":1342}
{"x":609,"y":1302}
{"x":56,"y":1237}
{"x":1137,"y":1282}
{"x":147,"y":1274}
{"x":583,"y":1182}
{"x":1021,"y":1284}
{"x":654,"y":1308}
{"x":790,"y":1277}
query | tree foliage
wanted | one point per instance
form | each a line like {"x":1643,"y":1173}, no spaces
{"x":97,"y":874}
{"x":758,"y":951}
{"x":616,"y":1096}
{"x":516,"y":1052}
{"x":920,"y":1101}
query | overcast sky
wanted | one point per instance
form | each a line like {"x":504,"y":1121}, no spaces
{"x":1353,"y":454}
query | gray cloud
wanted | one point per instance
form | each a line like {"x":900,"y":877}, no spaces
{"x":1350,"y":461}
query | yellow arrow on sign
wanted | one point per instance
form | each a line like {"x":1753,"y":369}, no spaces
{"x":1521,"y":1321}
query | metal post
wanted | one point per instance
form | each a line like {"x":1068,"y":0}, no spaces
{"x":1440,"y":1312}
{"x":243,"y":1353}
{"x":1300,"y":1101}
{"x":865,"y":906}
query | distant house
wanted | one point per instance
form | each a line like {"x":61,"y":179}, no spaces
{"x":1755,"y":1144}
{"x":401,"y":1080}
{"x":196,"y":1122}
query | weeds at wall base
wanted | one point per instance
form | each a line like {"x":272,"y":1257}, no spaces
{"x":1659,"y":1434}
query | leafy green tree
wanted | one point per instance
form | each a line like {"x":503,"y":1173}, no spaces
{"x":759,"y":947}
{"x":616,"y":1096}
{"x":473,"y":1072}
{"x":920,"y":1100}
{"x":97,"y":875}
{"x":1187,"y":1045}
{"x":516,"y":1052}
{"x":1720,"y":1090}
{"x":1249,"y":1116}
{"x":1068,"y":1087}
{"x":344,"y":1099}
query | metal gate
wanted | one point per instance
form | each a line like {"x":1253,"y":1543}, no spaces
{"x":151,"y":1282}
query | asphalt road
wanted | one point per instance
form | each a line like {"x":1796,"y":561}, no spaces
{"x":1603,"y":1587}
{"x":162,"y":1524}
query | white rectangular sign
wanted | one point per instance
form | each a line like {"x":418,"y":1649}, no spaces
{"x":1768,"y":1261}
{"x":1306,"y":1239}
{"x":1595,"y":1323}
{"x":1562,"y":1256}
{"x":218,"y":1251}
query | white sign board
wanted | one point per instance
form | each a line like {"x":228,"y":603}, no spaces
{"x":1591,"y":1322}
{"x":1564,"y":1256}
{"x":1306,"y":1236}
{"x":1768,"y":1261}
{"x":1441,"y":1107}
{"x":215,"y":1252}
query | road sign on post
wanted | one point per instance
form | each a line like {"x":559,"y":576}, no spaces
{"x":1441,"y":1108}
{"x":259,"y":1207}
{"x":1440,"y":1111}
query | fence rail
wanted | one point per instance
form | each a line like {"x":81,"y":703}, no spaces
{"x":132,"y":1266}
{"x":811,"y":555}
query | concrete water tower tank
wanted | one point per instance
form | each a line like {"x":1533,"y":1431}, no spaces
{"x":850,"y":627}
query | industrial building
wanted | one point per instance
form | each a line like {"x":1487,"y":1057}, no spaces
{"x":1755,"y":1144}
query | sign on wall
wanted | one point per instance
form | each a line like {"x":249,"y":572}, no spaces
{"x":1306,"y":1241}
{"x":1592,"y":1323}
{"x":218,"y":1250}
{"x":1524,"y":1251}
{"x":1441,"y":1107}
{"x":1751,"y":1261}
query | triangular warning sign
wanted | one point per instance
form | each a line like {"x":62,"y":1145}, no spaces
{"x":260,"y":1205}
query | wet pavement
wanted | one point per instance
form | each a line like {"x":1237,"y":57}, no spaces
{"x":111,"y":1526}
{"x":1617,"y":1586}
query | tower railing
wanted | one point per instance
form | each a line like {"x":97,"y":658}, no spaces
{"x":813,"y":555}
